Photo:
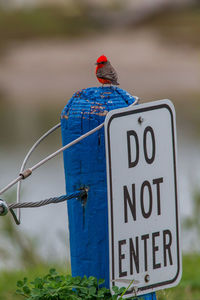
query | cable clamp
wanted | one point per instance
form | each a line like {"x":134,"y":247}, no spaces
{"x":84,"y":195}
{"x":26,"y":173}
{"x":3,"y":208}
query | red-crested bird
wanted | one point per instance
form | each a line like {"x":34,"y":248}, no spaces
{"x":105,"y":72}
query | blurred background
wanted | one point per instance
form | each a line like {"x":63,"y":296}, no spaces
{"x":47,"y":52}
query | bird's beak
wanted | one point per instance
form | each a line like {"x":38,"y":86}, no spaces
{"x":96,"y":64}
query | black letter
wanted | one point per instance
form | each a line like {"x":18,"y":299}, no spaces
{"x":121,"y":256}
{"x":154,"y":249}
{"x":148,"y":185}
{"x":166,"y":247}
{"x":134,"y":254}
{"x":157,"y":181}
{"x":144,"y":238}
{"x":149,"y":160}
{"x":131,"y":163}
{"x":132,"y":204}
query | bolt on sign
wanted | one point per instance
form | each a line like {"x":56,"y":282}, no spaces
{"x":142,"y":197}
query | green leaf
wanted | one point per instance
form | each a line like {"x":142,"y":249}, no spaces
{"x":26,"y":290}
{"x":35,"y":292}
{"x":115,"y":289}
{"x":92,"y":281}
{"x":20,"y":292}
{"x":52,"y":271}
{"x":101,"y":281}
{"x":121,"y":290}
{"x":114,"y":297}
{"x":77,"y":280}
{"x":92,"y":291}
{"x":20,"y":283}
{"x":54,"y":286}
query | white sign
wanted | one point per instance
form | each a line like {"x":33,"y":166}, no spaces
{"x":142,"y":197}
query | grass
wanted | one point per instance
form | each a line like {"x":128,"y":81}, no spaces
{"x":8,"y":279}
{"x":188,"y":289}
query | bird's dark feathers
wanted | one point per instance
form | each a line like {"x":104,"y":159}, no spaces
{"x":108,"y":72}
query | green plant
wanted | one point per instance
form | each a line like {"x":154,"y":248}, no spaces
{"x":59,"y":287}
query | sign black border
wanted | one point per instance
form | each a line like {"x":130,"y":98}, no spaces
{"x":125,"y":113}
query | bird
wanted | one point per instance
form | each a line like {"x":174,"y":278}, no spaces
{"x":105,"y":72}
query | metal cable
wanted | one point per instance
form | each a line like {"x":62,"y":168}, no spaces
{"x":39,"y":164}
{"x":43,"y":161}
{"x":35,"y":145}
{"x":24,"y":174}
{"x":77,"y":194}
{"x":30,"y":170}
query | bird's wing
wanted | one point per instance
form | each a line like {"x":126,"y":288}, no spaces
{"x":107,"y":72}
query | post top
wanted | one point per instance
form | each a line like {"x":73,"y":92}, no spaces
{"x":96,"y":102}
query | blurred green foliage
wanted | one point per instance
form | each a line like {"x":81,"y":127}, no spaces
{"x":192,"y":223}
{"x":189,"y":287}
{"x":46,"y":22}
{"x":178,"y":26}
{"x":77,"y":18}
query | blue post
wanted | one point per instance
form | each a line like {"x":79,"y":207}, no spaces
{"x":85,"y":165}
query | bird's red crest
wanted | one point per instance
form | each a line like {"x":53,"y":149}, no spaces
{"x":101,"y":59}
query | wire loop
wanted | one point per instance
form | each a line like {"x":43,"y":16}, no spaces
{"x":24,"y":174}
